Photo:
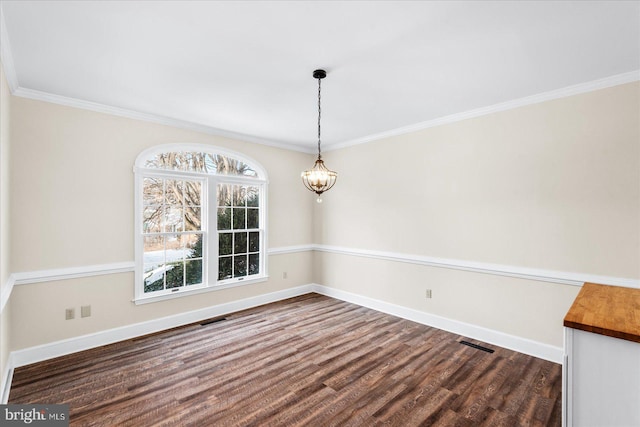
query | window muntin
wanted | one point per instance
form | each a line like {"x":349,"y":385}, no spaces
{"x":200,"y":217}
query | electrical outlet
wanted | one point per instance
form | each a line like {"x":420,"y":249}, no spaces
{"x":428,"y":293}
{"x":85,"y":311}
{"x":69,"y":313}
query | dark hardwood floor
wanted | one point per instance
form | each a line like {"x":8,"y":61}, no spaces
{"x":306,"y":361}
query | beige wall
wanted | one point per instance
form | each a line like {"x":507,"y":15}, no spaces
{"x":73,"y":199}
{"x":73,"y":205}
{"x":5,"y":115}
{"x":555,"y":186}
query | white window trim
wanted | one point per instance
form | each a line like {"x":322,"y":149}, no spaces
{"x":210,"y":251}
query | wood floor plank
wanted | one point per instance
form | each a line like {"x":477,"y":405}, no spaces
{"x":306,"y":361}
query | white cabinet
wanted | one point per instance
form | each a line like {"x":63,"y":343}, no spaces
{"x":602,"y":381}
{"x":601,"y":369}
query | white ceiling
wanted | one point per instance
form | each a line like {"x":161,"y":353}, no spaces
{"x":245,"y":67}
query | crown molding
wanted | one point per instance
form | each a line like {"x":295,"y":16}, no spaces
{"x":153,"y":118}
{"x":577,"y":89}
{"x":603,"y":83}
{"x":6,"y":57}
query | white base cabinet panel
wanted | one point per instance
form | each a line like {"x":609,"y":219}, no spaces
{"x":601,"y":386}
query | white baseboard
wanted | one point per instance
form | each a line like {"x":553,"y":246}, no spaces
{"x":521,"y":345}
{"x":72,"y":345}
{"x":5,"y":384}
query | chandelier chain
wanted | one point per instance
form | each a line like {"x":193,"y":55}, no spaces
{"x":319,"y":114}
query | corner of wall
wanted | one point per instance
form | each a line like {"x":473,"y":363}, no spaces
{"x":5,"y":286}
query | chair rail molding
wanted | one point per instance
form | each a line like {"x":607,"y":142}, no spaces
{"x":540,"y":275}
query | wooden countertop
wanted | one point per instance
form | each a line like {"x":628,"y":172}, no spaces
{"x":606,"y":310}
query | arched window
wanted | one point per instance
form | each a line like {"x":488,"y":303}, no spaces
{"x":200,"y":220}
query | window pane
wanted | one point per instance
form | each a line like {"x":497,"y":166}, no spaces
{"x":224,"y":268}
{"x":153,"y":250}
{"x":239,"y":195}
{"x":173,"y":219}
{"x":224,"y":194}
{"x":188,"y":161}
{"x":239,"y":265}
{"x":253,"y":216}
{"x":210,"y":164}
{"x":175,"y":275}
{"x":192,"y":218}
{"x":153,"y":163}
{"x":253,"y":196}
{"x":254,"y":264}
{"x":239,"y":218}
{"x":254,"y":241}
{"x":171,"y":160}
{"x":153,"y":277}
{"x":173,"y":192}
{"x":224,"y":218}
{"x":152,"y":219}
{"x":193,"y":245}
{"x":225,"y":243}
{"x":228,"y":166}
{"x":154,"y":282}
{"x":195,"y":162}
{"x":176,"y":161}
{"x":152,"y":191}
{"x":239,"y":243}
{"x":192,"y":193}
{"x":200,"y":162}
{"x":148,"y":268}
{"x":193,"y":274}
{"x":180,"y":161}
{"x":174,"y":249}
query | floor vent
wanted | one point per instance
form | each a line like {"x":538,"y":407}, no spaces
{"x":214,"y":320}
{"x":476,"y":346}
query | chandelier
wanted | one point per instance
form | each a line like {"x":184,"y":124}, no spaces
{"x":319,"y":179}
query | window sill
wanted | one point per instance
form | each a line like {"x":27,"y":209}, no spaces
{"x":200,"y":290}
